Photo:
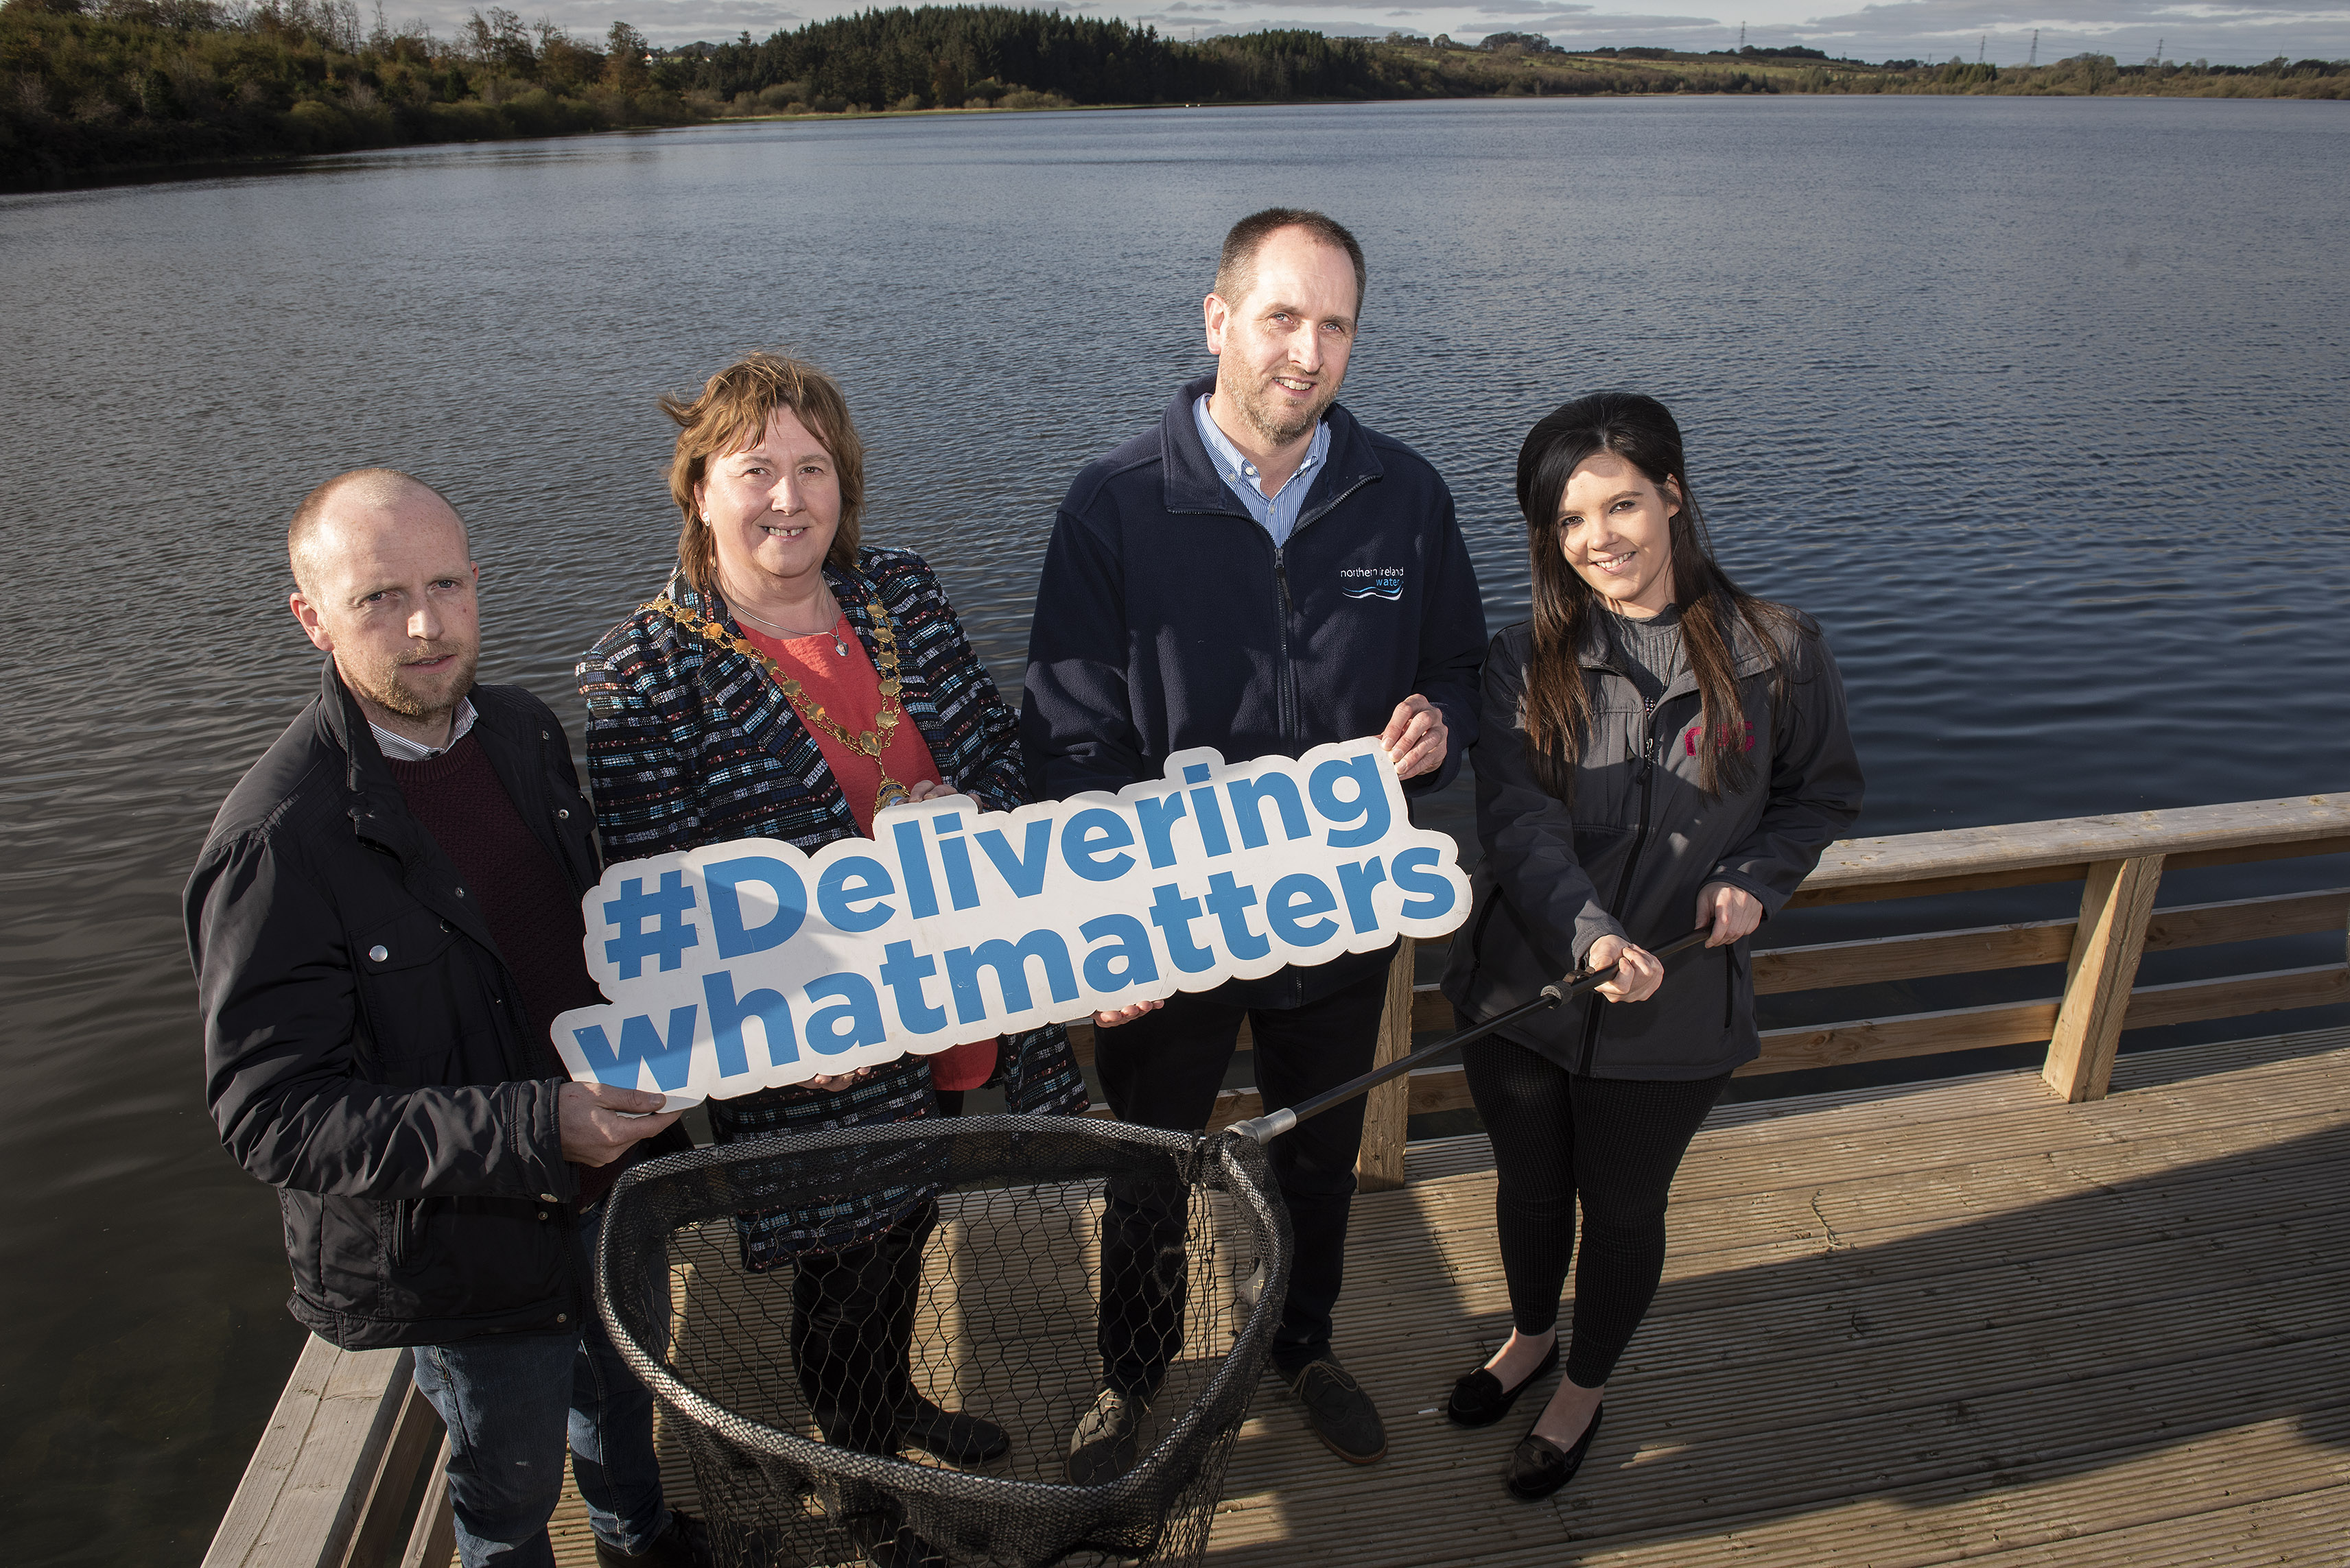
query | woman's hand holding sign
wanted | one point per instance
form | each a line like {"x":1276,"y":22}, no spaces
{"x":1415,"y":738}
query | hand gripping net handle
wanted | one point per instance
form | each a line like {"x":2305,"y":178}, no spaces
{"x":1273,"y":1123}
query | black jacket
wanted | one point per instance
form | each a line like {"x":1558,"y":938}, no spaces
{"x":1643,"y":837}
{"x":1166,"y":618}
{"x":364,"y":1043}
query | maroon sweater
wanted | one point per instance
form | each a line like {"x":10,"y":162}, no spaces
{"x":525,"y":897}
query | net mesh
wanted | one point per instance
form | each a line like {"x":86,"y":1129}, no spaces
{"x":911,"y":1399}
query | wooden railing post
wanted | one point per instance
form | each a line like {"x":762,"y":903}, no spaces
{"x":2116,"y":897}
{"x":1379,"y":1167}
{"x":432,"y":1539}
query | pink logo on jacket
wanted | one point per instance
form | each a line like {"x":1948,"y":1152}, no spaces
{"x":1721,"y":738}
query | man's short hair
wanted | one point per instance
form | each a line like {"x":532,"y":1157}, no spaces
{"x":369,"y":486}
{"x":1236,"y":268}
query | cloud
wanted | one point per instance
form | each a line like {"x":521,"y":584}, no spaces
{"x":2129,"y":29}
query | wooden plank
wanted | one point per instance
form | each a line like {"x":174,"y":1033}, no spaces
{"x":1808,"y":896}
{"x":433,"y":1541}
{"x":1908,"y":1034}
{"x":2116,"y":899}
{"x":2025,"y":943}
{"x":416,"y":1434}
{"x":2244,"y":854}
{"x":1440,"y":1089}
{"x":2237,"y":995}
{"x":1378,"y":1163}
{"x":307,"y":1480}
{"x":1876,"y":959}
{"x":1431,"y":1011}
{"x":1819,"y":891}
{"x":1234,"y":1106}
{"x":2028,"y":1022}
{"x":2305,"y":820}
{"x":2247,"y":920}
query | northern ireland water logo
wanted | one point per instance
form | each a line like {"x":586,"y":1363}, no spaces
{"x":1372,"y":583}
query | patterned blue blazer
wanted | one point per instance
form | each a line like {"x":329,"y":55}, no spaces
{"x":690,"y":742}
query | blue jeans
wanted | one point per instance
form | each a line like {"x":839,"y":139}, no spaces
{"x":508,"y":1400}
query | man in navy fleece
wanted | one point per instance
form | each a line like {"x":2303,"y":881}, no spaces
{"x":1260,"y":574}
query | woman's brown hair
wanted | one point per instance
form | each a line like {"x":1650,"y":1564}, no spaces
{"x":1641,"y":431}
{"x":730,"y":413}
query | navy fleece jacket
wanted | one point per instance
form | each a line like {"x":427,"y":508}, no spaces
{"x":1166,"y":618}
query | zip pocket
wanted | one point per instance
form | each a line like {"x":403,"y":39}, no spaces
{"x":403,"y":1220}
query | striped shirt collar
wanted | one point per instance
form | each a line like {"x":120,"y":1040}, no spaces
{"x":400,"y":749}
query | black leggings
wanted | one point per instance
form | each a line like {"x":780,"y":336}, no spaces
{"x":1615,"y":1143}
{"x":853,"y":1330}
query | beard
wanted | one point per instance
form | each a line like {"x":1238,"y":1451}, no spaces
{"x":388,"y":684}
{"x":1274,"y":419}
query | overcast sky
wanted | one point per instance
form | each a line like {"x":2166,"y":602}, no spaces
{"x":2232,"y":31}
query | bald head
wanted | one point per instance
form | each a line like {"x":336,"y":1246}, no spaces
{"x":384,"y":581}
{"x":352,"y":509}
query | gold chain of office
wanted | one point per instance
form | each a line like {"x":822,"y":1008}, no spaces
{"x":871,"y":742}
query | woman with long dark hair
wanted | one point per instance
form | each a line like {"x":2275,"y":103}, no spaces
{"x":1659,"y":749}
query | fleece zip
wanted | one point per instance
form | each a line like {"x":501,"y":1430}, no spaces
{"x":1166,"y":618}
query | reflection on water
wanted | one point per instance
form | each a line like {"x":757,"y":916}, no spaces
{"x":2040,"y":406}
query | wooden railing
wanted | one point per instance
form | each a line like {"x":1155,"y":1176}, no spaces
{"x":352,"y":1445}
{"x":2118,"y":860}
{"x":347,"y":1452}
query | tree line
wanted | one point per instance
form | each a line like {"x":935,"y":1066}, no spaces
{"x":93,"y":87}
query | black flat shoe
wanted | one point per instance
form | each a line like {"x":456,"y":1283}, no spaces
{"x":950,"y":1435}
{"x":1480,"y":1400}
{"x":1539,"y":1467}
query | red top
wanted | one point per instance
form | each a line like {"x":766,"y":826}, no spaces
{"x":848,"y":689}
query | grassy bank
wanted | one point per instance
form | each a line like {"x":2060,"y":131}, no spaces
{"x":91,"y":89}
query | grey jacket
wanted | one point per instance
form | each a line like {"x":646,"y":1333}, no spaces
{"x":1643,"y":837}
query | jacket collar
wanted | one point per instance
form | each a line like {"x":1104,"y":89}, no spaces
{"x":1748,"y":654}
{"x":1191,"y":483}
{"x":346,"y":724}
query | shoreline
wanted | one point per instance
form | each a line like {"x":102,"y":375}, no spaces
{"x":171,"y":174}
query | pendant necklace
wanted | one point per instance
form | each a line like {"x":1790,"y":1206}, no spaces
{"x":869,"y":742}
{"x":839,"y":649}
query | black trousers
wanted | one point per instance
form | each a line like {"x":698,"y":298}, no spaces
{"x":1612,"y":1143}
{"x":1163,"y":1070}
{"x":853,"y":1329}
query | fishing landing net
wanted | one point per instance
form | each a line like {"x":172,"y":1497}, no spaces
{"x":999,"y":1257}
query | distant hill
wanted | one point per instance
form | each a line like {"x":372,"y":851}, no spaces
{"x":101,"y":88}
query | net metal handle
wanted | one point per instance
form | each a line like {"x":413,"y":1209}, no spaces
{"x":1273,"y":1123}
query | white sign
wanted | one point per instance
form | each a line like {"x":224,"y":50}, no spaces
{"x":746,"y":965}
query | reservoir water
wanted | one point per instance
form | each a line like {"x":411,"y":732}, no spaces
{"x":2042,"y":406}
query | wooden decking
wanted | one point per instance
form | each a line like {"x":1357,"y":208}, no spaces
{"x":1960,"y":1321}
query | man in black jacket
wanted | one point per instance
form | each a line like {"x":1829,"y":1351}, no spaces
{"x":385,"y":920}
{"x":1263,"y":574}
